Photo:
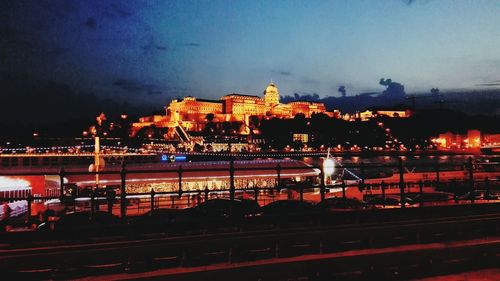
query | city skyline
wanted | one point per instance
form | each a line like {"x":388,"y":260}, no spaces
{"x":151,"y":52}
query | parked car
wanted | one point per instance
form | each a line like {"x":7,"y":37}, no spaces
{"x":159,"y":219}
{"x":432,"y":197}
{"x":388,"y":202}
{"x":215,"y":213}
{"x":480,"y":195}
{"x":82,"y":222}
{"x":221,"y":208}
{"x":287,"y":207}
{"x":340,"y":203}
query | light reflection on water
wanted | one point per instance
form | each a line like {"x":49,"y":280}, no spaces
{"x":407,"y":160}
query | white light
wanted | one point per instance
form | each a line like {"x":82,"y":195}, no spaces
{"x":7,"y":183}
{"x":328,"y":166}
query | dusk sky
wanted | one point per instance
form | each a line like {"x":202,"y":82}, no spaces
{"x":151,"y":51}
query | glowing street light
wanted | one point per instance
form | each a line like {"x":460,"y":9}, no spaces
{"x":328,"y":166}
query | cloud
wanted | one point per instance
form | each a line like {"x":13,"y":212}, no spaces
{"x":410,"y":2}
{"x":490,"y":84}
{"x":115,"y":11}
{"x":313,"y":97}
{"x":91,"y":23}
{"x":342,"y":91}
{"x":137,"y":87}
{"x":394,"y":89}
{"x":151,"y":45}
{"x":282,"y":72}
{"x":191,"y":44}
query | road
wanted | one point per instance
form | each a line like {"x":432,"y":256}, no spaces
{"x":365,"y":243}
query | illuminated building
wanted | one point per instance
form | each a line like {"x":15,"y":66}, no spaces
{"x":271,"y":95}
{"x":192,"y":105}
{"x":303,"y":138}
{"x":307,"y":108}
{"x":238,"y":104}
{"x":492,"y":139}
{"x":474,"y":138}
{"x":191,"y":113}
{"x":449,"y":140}
{"x":383,"y":111}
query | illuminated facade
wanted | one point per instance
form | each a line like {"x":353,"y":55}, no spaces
{"x":380,"y":111}
{"x":306,"y":108}
{"x":473,"y":139}
{"x":271,"y":95}
{"x":237,"y":104}
{"x":192,"y":105}
{"x":191,"y":113}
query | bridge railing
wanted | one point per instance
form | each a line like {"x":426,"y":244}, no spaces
{"x":470,"y":178}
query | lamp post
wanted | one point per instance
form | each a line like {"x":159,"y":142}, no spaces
{"x":328,"y":166}
{"x":98,"y":162}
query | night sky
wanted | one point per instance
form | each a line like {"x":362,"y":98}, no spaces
{"x":147,"y":52}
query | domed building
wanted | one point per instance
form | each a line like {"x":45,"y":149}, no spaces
{"x":271,"y":95}
{"x":191,"y":113}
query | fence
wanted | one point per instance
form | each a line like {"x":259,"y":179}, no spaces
{"x":474,"y":176}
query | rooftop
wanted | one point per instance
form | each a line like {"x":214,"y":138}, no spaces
{"x":242,"y":95}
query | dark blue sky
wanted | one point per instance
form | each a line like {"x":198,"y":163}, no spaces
{"x":151,"y":51}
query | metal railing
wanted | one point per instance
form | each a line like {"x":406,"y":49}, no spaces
{"x":188,"y":198}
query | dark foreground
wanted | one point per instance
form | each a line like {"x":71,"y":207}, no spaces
{"x":397,"y":244}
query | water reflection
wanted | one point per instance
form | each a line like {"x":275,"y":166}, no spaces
{"x":407,"y":160}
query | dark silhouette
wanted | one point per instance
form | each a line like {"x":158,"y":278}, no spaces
{"x":342,"y":91}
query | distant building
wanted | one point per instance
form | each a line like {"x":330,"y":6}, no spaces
{"x":191,"y":113}
{"x":473,"y":139}
{"x":307,"y":108}
{"x":238,"y":105}
{"x":384,"y":111}
{"x":492,"y":139}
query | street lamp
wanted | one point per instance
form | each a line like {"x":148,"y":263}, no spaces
{"x":328,"y":166}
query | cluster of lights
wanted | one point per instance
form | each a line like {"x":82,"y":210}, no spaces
{"x":51,"y":148}
{"x":244,"y":162}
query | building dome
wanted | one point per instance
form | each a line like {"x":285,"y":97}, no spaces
{"x":271,"y":94}
{"x":271,"y":88}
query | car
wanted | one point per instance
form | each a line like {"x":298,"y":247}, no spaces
{"x":211,"y":214}
{"x":157,"y":220}
{"x":388,"y":202}
{"x":216,"y":215}
{"x":287,"y":207}
{"x":288,"y":213}
{"x":340,"y":203}
{"x":432,"y":198}
{"x":221,"y":208}
{"x":81,"y":222}
{"x":480,"y":195}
